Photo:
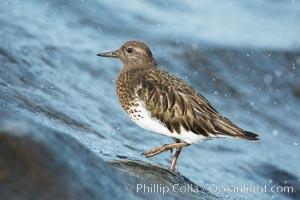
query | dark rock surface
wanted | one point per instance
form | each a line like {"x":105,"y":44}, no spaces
{"x":40,"y":163}
{"x":160,"y":180}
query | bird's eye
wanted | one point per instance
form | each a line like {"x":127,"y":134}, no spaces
{"x":129,"y":50}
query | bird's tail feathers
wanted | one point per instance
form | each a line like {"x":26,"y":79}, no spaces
{"x":226,"y":128}
{"x":249,"y":136}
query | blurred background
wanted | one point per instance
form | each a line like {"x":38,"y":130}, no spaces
{"x":61,"y":121}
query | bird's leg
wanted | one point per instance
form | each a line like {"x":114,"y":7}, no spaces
{"x":163,"y":148}
{"x":175,"y":158}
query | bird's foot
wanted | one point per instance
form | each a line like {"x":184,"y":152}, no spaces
{"x":158,"y":150}
{"x":173,"y":169}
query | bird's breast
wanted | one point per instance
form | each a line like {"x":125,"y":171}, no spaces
{"x":126,"y":91}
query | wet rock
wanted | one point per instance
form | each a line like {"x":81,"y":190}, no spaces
{"x":155,"y":179}
{"x":39,"y":163}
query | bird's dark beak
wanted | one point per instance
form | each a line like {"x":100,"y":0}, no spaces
{"x":112,"y":54}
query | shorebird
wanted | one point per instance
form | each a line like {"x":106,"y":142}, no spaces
{"x":165,"y":104}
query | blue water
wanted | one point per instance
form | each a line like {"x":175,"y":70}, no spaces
{"x":244,"y":56}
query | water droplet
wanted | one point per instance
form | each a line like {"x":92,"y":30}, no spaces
{"x":216,"y":92}
{"x":268,"y":79}
{"x":278,"y":73}
{"x":296,"y":143}
{"x":252,"y":103}
{"x":275,"y":132}
{"x":270,"y":181}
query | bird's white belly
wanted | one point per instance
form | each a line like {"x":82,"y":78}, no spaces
{"x":143,"y":118}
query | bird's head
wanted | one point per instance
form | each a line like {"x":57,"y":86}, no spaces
{"x":133,"y":54}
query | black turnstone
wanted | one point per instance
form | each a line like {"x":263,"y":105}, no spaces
{"x":162,"y":103}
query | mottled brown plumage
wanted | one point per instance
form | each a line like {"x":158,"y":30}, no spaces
{"x":143,"y":87}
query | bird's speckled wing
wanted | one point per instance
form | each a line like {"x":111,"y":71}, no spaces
{"x":178,"y":106}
